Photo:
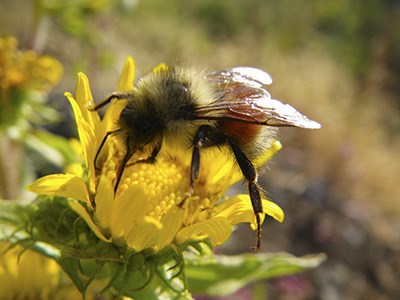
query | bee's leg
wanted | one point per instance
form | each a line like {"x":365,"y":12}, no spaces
{"x":127,"y":157}
{"x":198,"y":142}
{"x":250,"y":173}
{"x":102,"y":145}
{"x":117,"y":95}
{"x":149,"y":160}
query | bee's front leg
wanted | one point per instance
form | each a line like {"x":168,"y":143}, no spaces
{"x":151,"y":159}
{"x":127,"y":157}
{"x":200,"y":140}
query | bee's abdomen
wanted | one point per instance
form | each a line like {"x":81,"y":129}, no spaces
{"x":253,"y":139}
{"x":241,"y":132}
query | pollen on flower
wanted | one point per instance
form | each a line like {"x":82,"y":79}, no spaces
{"x":164,"y":205}
{"x":157,"y":189}
{"x":110,"y":174}
{"x":152,"y":192}
{"x":128,"y":182}
{"x":162,"y":182}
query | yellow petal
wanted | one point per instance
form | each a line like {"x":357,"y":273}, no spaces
{"x":111,"y":116}
{"x":221,"y":167}
{"x":125,"y":84}
{"x":160,"y":68}
{"x":64,"y":185}
{"x":127,"y":75}
{"x":104,"y":202}
{"x":86,"y":136}
{"x":145,"y":234}
{"x":81,"y":210}
{"x":75,"y":168}
{"x":83,"y":98}
{"x":275,"y":147}
{"x":237,"y":209}
{"x":129,"y":207}
{"x":85,"y":129}
{"x":273,"y":210}
{"x":172,"y":222}
{"x":217,"y":229}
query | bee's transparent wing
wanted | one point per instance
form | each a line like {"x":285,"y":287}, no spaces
{"x":241,"y":75}
{"x":240,"y":96}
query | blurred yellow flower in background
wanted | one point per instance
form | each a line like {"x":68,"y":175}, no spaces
{"x":144,"y":213}
{"x":26,"y":69}
{"x":25,"y":274}
{"x":25,"y":78}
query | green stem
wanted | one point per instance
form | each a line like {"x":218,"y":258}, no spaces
{"x":10,"y":166}
{"x":40,"y":27}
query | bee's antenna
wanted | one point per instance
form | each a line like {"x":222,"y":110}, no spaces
{"x":117,"y":96}
{"x":96,"y":157}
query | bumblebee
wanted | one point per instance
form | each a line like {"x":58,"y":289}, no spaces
{"x":186,"y":109}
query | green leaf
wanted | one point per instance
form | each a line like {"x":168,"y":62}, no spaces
{"x":53,"y":148}
{"x":225,"y":275}
{"x":13,"y":219}
{"x":153,"y":276}
{"x":16,"y":228}
{"x":72,"y":268}
{"x":84,"y":266}
{"x":157,"y":289}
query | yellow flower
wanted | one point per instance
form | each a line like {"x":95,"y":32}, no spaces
{"x":26,"y":69}
{"x":144,"y":213}
{"x":29,"y":275}
{"x":25,"y":79}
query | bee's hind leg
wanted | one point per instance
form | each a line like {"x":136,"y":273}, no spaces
{"x":209,"y":136}
{"x":250,"y":173}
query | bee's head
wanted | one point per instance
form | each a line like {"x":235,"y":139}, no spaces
{"x":159,"y":101}
{"x":140,"y":123}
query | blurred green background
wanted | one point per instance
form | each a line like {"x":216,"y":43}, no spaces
{"x":337,"y":61}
